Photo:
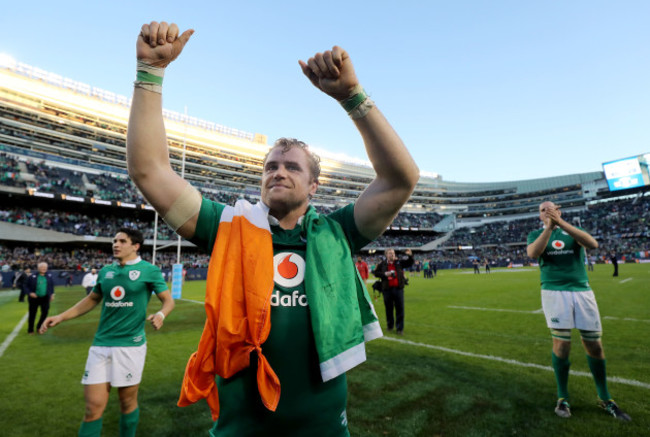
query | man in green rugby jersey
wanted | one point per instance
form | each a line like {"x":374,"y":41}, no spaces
{"x":116,"y":357}
{"x":310,"y":403}
{"x":568,"y":302}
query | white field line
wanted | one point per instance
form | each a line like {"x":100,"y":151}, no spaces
{"x":625,"y":280}
{"x":5,"y":344}
{"x":627,"y":319}
{"x":539,"y":311}
{"x":515,"y":270}
{"x":503,"y":360}
{"x":193,"y":301}
{"x":514,"y":362}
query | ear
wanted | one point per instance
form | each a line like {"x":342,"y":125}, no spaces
{"x":313,"y":188}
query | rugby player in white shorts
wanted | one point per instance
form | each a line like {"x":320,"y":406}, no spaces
{"x":116,"y":357}
{"x":568,"y":302}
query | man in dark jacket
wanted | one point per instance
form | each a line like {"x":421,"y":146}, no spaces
{"x":21,"y":282}
{"x":614,"y":260}
{"x":40,"y":292}
{"x":391,"y":273}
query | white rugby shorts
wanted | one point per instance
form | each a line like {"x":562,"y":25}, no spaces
{"x":571,"y":309}
{"x":119,"y":366}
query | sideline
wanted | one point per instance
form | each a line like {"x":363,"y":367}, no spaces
{"x":539,"y":311}
{"x":496,"y":270}
{"x":190,"y":300}
{"x":5,"y":344}
{"x":626,"y":319}
{"x":631,"y":382}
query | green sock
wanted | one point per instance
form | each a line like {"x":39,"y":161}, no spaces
{"x":91,"y":429}
{"x":129,"y":423}
{"x":561,"y":367}
{"x":599,"y":372}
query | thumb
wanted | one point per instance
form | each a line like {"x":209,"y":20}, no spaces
{"x":185,"y":37}
{"x":150,"y":318}
{"x":313,"y":78}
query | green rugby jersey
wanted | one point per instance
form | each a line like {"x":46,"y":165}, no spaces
{"x":562,"y":264}
{"x":125,"y":292}
{"x":307,"y":405}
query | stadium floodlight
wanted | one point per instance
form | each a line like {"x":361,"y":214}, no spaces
{"x":7,"y":61}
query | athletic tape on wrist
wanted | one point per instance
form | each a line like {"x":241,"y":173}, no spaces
{"x":149,"y":77}
{"x":357,"y":96}
{"x":161,"y":314}
{"x":184,"y":207}
{"x":362,"y":110}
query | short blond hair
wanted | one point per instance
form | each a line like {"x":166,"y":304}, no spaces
{"x":287,"y":144}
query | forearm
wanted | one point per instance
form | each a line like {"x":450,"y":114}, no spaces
{"x":387,"y":153}
{"x":396,"y":175}
{"x":147,"y":152}
{"x":583,"y":238}
{"x":537,"y":247}
{"x":146,"y":139}
{"x":167,"y":305}
{"x":80,"y":308}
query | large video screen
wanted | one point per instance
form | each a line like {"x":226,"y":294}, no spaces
{"x":627,"y":173}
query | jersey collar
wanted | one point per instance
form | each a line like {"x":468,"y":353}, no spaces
{"x":133,"y":261}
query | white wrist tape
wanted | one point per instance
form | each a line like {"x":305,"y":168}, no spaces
{"x":149,"y":77}
{"x":161,"y":314}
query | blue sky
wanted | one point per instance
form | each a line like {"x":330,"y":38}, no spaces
{"x":479,"y":91}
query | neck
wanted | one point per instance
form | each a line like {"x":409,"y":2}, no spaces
{"x":123,"y":261}
{"x":289,"y":219}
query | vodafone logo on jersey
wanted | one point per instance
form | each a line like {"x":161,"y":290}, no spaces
{"x":557,"y":244}
{"x":118,"y":293}
{"x":288,"y":269}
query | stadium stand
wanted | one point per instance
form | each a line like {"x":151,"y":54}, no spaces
{"x":64,"y":188}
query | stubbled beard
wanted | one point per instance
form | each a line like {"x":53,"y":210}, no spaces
{"x":284,"y":205}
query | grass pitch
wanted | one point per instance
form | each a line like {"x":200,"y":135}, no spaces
{"x":474,"y":360}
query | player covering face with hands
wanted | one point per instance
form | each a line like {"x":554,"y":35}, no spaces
{"x":310,"y":369}
{"x":568,"y":302}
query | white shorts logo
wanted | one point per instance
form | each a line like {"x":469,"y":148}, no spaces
{"x":134,"y":274}
{"x":288,"y":269}
{"x":118,"y":293}
{"x":557,"y":244}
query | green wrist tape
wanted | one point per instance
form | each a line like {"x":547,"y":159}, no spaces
{"x":146,"y":77}
{"x":351,"y":103}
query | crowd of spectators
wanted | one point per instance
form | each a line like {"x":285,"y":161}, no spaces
{"x":105,"y":225}
{"x":86,"y":258}
{"x":96,"y":225}
{"x":8,"y":170}
{"x":411,"y":239}
{"x":620,"y":226}
{"x":118,"y":187}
